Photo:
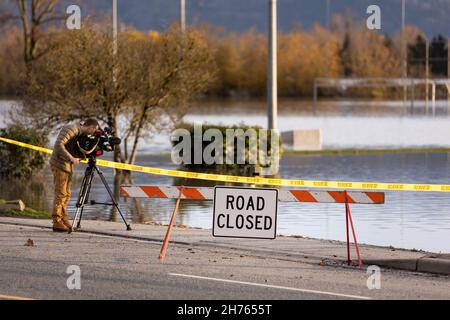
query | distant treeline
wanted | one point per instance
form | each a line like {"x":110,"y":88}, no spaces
{"x":348,"y":50}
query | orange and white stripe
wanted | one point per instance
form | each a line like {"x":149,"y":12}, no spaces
{"x":284,"y":195}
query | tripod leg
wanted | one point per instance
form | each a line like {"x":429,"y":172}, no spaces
{"x":112,"y":197}
{"x":80,"y":200}
{"x":84,"y":193}
{"x":86,"y":198}
{"x":79,"y":220}
{"x":75,"y":219}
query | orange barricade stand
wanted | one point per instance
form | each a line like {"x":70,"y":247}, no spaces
{"x":207,"y":193}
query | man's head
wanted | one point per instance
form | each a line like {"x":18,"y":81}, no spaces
{"x":89,"y":126}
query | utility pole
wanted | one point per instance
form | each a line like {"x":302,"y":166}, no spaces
{"x":327,"y":47}
{"x":404,"y":57}
{"x":114,"y":71}
{"x":427,"y":71}
{"x":448,"y":74}
{"x":272,"y":90}
{"x":114,"y":79}
{"x":403,"y":51}
{"x":183,"y":15}
{"x":114,"y":27}
{"x":448,"y":57}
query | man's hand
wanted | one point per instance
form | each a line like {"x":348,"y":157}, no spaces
{"x":75,"y":160}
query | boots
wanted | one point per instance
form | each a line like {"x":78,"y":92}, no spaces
{"x":59,"y":226}
{"x":67,"y":223}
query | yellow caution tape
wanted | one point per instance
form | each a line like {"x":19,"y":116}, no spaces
{"x":258,"y":180}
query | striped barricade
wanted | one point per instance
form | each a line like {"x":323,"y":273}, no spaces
{"x":284,"y":195}
{"x":207,"y":193}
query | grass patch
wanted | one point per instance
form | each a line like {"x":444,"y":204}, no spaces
{"x":368,"y":151}
{"x":27,"y":213}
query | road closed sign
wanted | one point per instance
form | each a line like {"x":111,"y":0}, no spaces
{"x":245,"y":212}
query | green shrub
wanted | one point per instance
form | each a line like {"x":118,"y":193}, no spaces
{"x":236,"y":169}
{"x":19,"y":162}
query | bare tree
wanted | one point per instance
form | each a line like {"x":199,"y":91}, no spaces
{"x":174,"y":69}
{"x":35,"y":16}
{"x":75,"y":80}
{"x":152,"y":80}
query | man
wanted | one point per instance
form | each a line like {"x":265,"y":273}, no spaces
{"x":65,"y":155}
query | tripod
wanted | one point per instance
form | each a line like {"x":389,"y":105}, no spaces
{"x":83,"y":196}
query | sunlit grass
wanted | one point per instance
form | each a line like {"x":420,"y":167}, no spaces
{"x":27,"y":213}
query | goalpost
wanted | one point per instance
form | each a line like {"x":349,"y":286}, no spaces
{"x":345,"y":83}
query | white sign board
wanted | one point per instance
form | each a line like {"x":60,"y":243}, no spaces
{"x":245,"y":212}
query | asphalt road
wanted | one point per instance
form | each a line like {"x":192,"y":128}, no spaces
{"x":117,"y":268}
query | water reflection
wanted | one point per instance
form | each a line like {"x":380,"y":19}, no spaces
{"x":35,"y":192}
{"x":408,"y":219}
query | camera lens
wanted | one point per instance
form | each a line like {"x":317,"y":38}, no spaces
{"x":114,"y":140}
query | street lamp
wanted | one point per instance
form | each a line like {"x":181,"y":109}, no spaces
{"x":404,"y":59}
{"x":114,"y":4}
{"x":403,"y":50}
{"x":272,"y":90}
{"x":183,"y":15}
{"x":328,"y":26}
{"x":427,"y":71}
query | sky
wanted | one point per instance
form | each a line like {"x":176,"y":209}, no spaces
{"x":240,"y":15}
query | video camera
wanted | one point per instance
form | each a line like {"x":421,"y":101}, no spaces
{"x":94,"y":145}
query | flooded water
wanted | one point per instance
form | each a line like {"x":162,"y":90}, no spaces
{"x":406,"y":220}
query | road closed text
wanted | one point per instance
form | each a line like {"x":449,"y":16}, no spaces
{"x":248,"y":221}
{"x":245,"y":212}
